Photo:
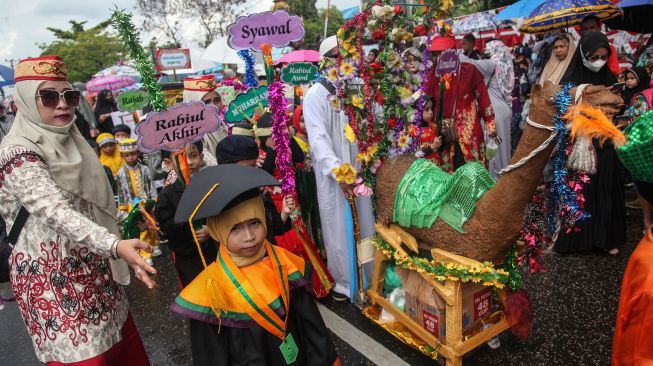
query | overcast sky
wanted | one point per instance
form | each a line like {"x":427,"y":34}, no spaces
{"x":23,"y":22}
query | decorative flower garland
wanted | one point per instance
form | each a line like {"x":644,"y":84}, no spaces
{"x":484,"y":274}
{"x":122,"y":22}
{"x":280,"y":136}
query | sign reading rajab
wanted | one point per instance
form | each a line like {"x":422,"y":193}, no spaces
{"x":172,"y":129}
{"x":277,"y":29}
{"x":246,"y":103}
{"x":447,"y":64}
{"x":299,"y":73}
{"x":132,"y":100}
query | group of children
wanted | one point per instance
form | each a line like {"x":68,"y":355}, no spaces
{"x":198,"y":251}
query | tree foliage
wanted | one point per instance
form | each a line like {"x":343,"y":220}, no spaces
{"x":171,"y":17}
{"x":85,"y":51}
{"x":314,"y":24}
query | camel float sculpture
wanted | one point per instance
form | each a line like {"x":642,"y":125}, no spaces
{"x":497,"y":220}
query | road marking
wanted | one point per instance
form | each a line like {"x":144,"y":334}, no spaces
{"x":360,"y":341}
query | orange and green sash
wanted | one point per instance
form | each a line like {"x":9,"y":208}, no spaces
{"x":228,"y":295}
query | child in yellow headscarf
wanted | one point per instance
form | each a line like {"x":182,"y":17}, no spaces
{"x":109,"y":153}
{"x":254,"y":291}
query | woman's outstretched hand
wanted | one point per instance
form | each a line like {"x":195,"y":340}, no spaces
{"x":128,"y":251}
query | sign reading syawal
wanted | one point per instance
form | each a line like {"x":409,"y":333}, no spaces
{"x":277,"y":29}
{"x":132,"y":100}
{"x":172,"y":129}
{"x":299,"y":73}
{"x":245,"y":104}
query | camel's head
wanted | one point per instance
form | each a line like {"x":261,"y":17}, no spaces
{"x":543,"y":101}
{"x":601,"y":97}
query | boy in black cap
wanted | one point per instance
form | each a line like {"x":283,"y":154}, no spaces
{"x":236,"y":149}
{"x":185,"y":255}
{"x":121,"y":132}
{"x":254,"y":293}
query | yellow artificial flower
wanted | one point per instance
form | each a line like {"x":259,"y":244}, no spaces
{"x":333,"y":74}
{"x":335,"y":103}
{"x":366,"y":157}
{"x":346,"y":68}
{"x":345,"y":173}
{"x":402,"y":142}
{"x":349,"y":134}
{"x":350,"y":48}
{"x":357,"y":101}
{"x":445,"y":5}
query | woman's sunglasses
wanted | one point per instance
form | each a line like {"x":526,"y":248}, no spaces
{"x":50,"y":98}
{"x":215,"y":101}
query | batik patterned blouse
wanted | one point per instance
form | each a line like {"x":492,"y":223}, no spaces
{"x":59,"y":268}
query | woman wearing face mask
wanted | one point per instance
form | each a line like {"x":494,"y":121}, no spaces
{"x":60,"y":268}
{"x":104,"y":106}
{"x":604,"y":193}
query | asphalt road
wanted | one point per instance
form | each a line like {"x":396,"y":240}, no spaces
{"x":575,"y":304}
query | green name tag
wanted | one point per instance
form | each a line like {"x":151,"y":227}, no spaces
{"x":289,"y":349}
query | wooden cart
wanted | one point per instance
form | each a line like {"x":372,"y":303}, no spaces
{"x":454,"y":346}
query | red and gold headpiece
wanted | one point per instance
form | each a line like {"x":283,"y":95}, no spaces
{"x":200,"y":83}
{"x":41,"y":68}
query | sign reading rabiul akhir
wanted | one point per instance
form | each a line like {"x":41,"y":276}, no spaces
{"x":172,"y":129}
{"x":277,"y":29}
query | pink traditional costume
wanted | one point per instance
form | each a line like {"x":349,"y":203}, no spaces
{"x":60,"y":269}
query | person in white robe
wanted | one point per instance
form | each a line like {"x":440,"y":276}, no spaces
{"x":330,"y":149}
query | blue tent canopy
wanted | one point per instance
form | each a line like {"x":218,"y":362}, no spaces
{"x":6,"y":76}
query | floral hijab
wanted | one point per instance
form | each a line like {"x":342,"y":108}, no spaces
{"x":505,"y":73}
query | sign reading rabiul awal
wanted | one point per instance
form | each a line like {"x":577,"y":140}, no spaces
{"x":299,"y":73}
{"x":172,"y":129}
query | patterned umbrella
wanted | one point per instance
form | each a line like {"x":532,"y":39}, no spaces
{"x":119,"y":70}
{"x":637,"y":16}
{"x":559,"y":14}
{"x":113,"y":83}
{"x":299,"y":56}
{"x":475,"y":23}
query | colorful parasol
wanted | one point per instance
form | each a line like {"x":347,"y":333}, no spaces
{"x":119,"y":70}
{"x":559,"y":14}
{"x":475,"y":23}
{"x":6,"y":75}
{"x":637,"y":16}
{"x":520,"y":9}
{"x":113,"y":83}
{"x":299,"y":56}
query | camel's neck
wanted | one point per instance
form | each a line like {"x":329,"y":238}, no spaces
{"x":515,"y":188}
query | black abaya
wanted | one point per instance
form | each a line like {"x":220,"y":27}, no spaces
{"x":604,"y":193}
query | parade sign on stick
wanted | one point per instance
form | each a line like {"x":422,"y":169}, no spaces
{"x":172,"y":59}
{"x":226,"y":93}
{"x":246,"y":103}
{"x":277,"y":29}
{"x":299,"y":73}
{"x":447,"y":64}
{"x":172,"y":129}
{"x":133,"y":100}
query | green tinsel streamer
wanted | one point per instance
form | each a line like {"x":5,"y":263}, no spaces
{"x":510,"y":266}
{"x":122,"y":22}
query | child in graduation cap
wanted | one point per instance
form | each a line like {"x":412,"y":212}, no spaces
{"x":255,"y":293}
